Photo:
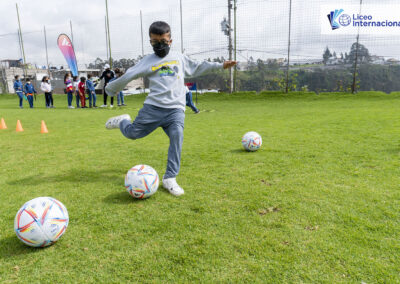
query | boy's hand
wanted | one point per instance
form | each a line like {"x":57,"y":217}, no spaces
{"x":229,"y":64}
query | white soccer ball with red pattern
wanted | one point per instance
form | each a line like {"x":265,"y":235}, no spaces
{"x":252,"y":141}
{"x":40,"y":222}
{"x":141,"y":181}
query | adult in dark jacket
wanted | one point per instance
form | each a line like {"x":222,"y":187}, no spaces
{"x":108,"y":74}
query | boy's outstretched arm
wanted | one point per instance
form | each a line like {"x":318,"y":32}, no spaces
{"x":196,"y":68}
{"x":139,"y":70}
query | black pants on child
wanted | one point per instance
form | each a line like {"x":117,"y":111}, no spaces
{"x":105,"y":97}
{"x":49,"y":99}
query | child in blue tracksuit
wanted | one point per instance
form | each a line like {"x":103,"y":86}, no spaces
{"x":90,"y":87}
{"x":19,"y":90}
{"x":29,"y":91}
{"x":165,"y":105}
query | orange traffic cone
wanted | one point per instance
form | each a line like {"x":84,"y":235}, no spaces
{"x":3,"y":124}
{"x":44,"y":128}
{"x":19,"y":126}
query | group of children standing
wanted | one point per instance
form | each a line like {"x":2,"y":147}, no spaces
{"x":73,"y":86}
{"x":83,"y":86}
{"x":27,"y":91}
{"x":80,"y":88}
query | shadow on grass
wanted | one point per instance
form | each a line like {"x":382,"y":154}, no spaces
{"x":73,"y":176}
{"x":239,"y":151}
{"x":11,"y":247}
{"x":121,"y":197}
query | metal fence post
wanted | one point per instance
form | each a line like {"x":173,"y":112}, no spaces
{"x":230,"y":45}
{"x":108,"y":32}
{"x":354,"y":85}
{"x":288,"y":57}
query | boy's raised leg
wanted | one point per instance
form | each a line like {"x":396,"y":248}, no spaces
{"x":147,"y":120}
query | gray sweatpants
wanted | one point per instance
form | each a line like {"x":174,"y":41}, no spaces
{"x":171,"y":120}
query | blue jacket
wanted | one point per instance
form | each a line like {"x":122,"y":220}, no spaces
{"x":18,"y":86}
{"x":29,"y":89}
{"x":90,"y":85}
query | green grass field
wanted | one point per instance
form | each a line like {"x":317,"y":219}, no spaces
{"x":319,"y":202}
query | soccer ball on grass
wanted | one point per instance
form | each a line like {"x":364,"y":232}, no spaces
{"x":141,"y":181}
{"x":40,"y":222}
{"x":251,"y":141}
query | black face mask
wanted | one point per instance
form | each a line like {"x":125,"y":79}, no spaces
{"x":161,"y":49}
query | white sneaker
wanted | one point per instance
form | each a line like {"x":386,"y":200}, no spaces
{"x":114,"y":122}
{"x":71,"y":107}
{"x":173,"y":188}
{"x":103,"y":106}
{"x":111,"y":106}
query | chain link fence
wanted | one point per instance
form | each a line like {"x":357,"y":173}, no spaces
{"x":279,"y":45}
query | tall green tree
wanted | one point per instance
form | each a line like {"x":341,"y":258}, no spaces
{"x":326,"y":55}
{"x":363,"y":55}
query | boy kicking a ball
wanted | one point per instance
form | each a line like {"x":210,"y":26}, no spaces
{"x":165,"y":105}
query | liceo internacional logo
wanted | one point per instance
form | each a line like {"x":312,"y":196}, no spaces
{"x":344,"y":20}
{"x":336,"y":16}
{"x":368,"y":19}
{"x":332,"y":16}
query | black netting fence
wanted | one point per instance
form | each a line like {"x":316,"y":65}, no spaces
{"x":278,"y":43}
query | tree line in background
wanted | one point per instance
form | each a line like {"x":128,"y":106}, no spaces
{"x":123,"y":63}
{"x":319,"y":77}
{"x":260,"y":75}
{"x":361,"y":53}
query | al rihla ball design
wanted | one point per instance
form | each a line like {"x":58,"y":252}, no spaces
{"x":40,"y":222}
{"x":251,"y":141}
{"x":141,"y":181}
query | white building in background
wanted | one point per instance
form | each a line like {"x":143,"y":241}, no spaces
{"x":375,"y":59}
{"x":334,"y":61}
{"x":392,"y":61}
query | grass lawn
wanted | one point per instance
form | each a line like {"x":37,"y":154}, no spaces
{"x":319,"y":202}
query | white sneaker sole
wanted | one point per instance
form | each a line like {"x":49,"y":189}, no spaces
{"x":111,"y":124}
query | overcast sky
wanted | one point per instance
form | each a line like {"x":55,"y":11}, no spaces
{"x":262,"y":29}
